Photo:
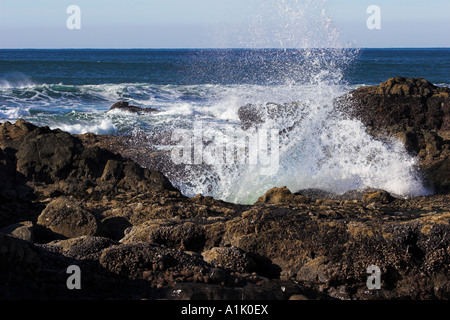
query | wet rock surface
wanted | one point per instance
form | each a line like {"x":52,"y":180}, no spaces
{"x":125,"y":106}
{"x":414,"y":111}
{"x":74,"y":200}
{"x":404,"y":102}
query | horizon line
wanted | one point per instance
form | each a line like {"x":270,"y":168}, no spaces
{"x":230,"y":48}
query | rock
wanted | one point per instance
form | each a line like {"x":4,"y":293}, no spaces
{"x":84,"y":247}
{"x":404,"y":102}
{"x":314,"y":271}
{"x":23,"y":230}
{"x":134,"y":260}
{"x":200,"y":291}
{"x":437,"y":175}
{"x":322,"y":196}
{"x":253,"y":115}
{"x":281,"y":195}
{"x":380,"y":196}
{"x":330,"y":251}
{"x":423,"y":143}
{"x":411,"y":140}
{"x":66,"y":244}
{"x":46,"y":156}
{"x":11,"y":135}
{"x":229,"y":257}
{"x":315,"y":194}
{"x":187,"y":236}
{"x":407,"y":87}
{"x":134,"y":177}
{"x":20,"y":267}
{"x":61,"y":163}
{"x":433,"y":153}
{"x":414,"y":111}
{"x":432,"y":143}
{"x":89,"y":247}
{"x":122,"y":105}
{"x":112,"y":171}
{"x":283,"y":245}
{"x":298,"y":297}
{"x":16,"y":197}
{"x":68,"y":219}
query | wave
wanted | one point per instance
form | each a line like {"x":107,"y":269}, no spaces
{"x":59,"y":96}
{"x":13,"y":113}
{"x":323,"y":150}
{"x":105,"y":126}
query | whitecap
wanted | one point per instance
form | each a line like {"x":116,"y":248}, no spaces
{"x":13,"y":113}
{"x":105,"y":126}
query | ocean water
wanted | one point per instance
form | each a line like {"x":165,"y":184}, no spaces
{"x":74,"y":89}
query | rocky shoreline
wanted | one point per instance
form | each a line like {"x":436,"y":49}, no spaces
{"x":106,"y":205}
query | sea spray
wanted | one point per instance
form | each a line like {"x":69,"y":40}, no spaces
{"x":319,"y":146}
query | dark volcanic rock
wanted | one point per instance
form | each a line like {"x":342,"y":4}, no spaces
{"x":16,"y":197}
{"x":11,"y":135}
{"x":134,"y":236}
{"x":23,"y":230}
{"x":283,"y":116}
{"x":281,"y":195}
{"x":336,"y":249}
{"x":404,"y":102}
{"x":68,"y":219}
{"x":89,"y":247}
{"x":229,"y":257}
{"x":133,"y":260}
{"x":47,"y":156}
{"x":19,"y":269}
{"x":122,"y":105}
{"x":377,"y":196}
{"x":64,"y":165}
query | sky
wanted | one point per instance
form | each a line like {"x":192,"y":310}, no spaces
{"x":223,"y":24}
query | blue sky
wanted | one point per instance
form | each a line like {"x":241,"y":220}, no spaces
{"x":223,"y":23}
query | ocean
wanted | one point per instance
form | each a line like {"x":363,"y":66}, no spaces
{"x":74,"y":89}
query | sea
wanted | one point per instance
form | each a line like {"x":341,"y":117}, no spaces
{"x":204,"y":88}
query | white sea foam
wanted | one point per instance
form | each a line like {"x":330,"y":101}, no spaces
{"x":105,"y":126}
{"x":178,"y":109}
{"x":12,"y":113}
{"x":323,"y":148}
